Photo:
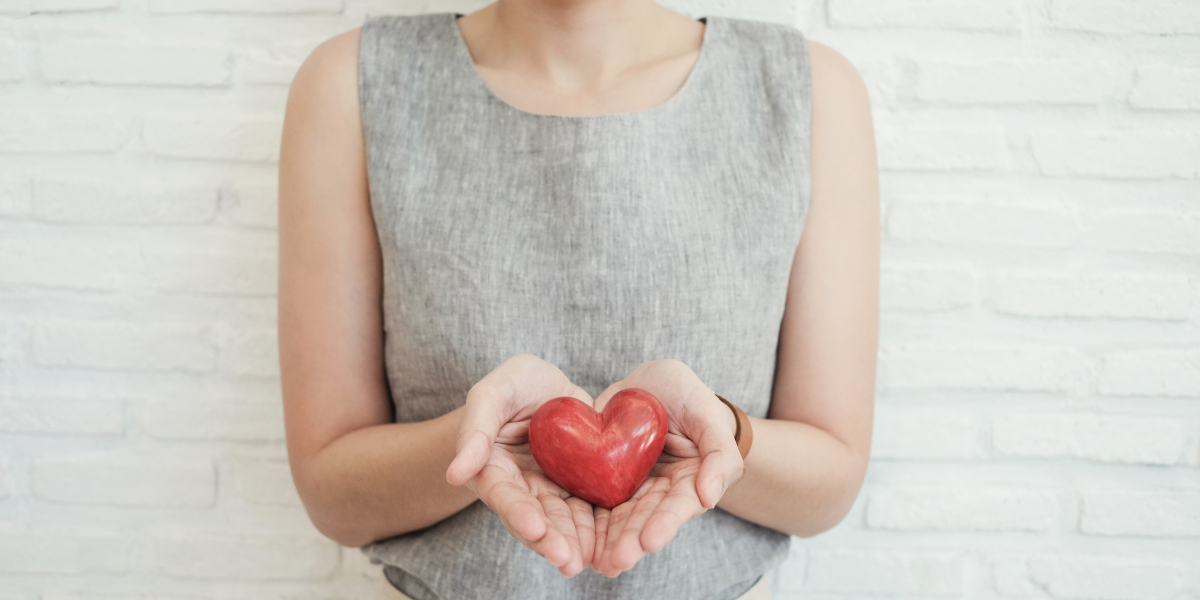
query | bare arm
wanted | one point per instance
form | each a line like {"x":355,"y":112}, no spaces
{"x":361,"y":477}
{"x":809,"y":458}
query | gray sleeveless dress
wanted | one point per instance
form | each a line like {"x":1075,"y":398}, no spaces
{"x":596,"y":243}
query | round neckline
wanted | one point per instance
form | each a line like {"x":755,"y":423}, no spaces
{"x":464,"y":57}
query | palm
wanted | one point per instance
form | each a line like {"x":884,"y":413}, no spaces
{"x":495,"y":462}
{"x":697,"y":456}
{"x":655,"y":512}
{"x":510,"y":466}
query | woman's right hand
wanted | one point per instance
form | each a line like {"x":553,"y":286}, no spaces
{"x":494,"y":461}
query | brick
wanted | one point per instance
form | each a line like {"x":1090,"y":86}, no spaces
{"x":977,"y":222}
{"x":1117,"y":154}
{"x":1010,"y":577}
{"x":248,"y":138}
{"x":1146,"y":16}
{"x":928,"y":148}
{"x":971,"y":15}
{"x":1102,"y":438}
{"x":925,"y":508}
{"x":1157,"y":87}
{"x":275,"y":65}
{"x":912,"y":287}
{"x":1000,"y":368}
{"x":1017,"y":83}
{"x":1167,"y":232}
{"x":158,"y":482}
{"x":232,"y":270}
{"x":254,"y":353}
{"x":53,"y":6}
{"x":1105,"y":578}
{"x":125,"y":63}
{"x":235,"y":421}
{"x":33,"y":553}
{"x":108,"y":201}
{"x":75,"y":262}
{"x":886,"y":78}
{"x":70,"y":596}
{"x":1150,"y":373}
{"x":911,"y":433}
{"x":16,"y":8}
{"x":15,"y":198}
{"x":12,"y":61}
{"x":124,"y":346}
{"x":266,"y":482}
{"x":245,"y":557}
{"x":59,"y":416}
{"x":1157,"y":513}
{"x":241,"y":6}
{"x":5,"y":487}
{"x":1107,"y":295}
{"x":254,"y":205}
{"x":24,"y":131}
{"x":790,"y":575}
{"x":851,"y":572}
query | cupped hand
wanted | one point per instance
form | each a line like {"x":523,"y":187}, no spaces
{"x":700,"y":461}
{"x":494,"y":461}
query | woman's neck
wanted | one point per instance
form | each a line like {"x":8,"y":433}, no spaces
{"x":577,"y":46}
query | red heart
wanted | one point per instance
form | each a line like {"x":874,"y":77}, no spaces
{"x":604,"y":456}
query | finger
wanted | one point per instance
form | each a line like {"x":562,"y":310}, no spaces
{"x":718,"y":470}
{"x":585,"y":528}
{"x":601,"y":516}
{"x":607,"y":395}
{"x":581,"y":395}
{"x":473,"y":451}
{"x":482,"y":419}
{"x":618,"y":516}
{"x":518,"y":509}
{"x":526,"y":520}
{"x":559,"y":516}
{"x":721,"y":465}
{"x":626,"y":547}
{"x":678,"y":507}
{"x":553,"y":546}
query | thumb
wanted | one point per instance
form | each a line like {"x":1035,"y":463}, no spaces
{"x":721,"y":462}
{"x":482,"y":420}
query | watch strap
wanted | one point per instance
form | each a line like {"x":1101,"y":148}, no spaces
{"x":744,"y":434}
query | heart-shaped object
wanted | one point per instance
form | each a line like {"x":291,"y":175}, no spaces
{"x":604,"y":456}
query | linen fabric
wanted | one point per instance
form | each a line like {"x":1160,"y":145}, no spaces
{"x":596,"y":243}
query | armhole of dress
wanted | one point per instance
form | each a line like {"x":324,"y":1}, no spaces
{"x":804,"y":94}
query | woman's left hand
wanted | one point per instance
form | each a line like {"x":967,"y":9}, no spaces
{"x":700,"y":461}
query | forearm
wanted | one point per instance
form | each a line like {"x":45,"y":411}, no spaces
{"x":798,"y":479}
{"x":383,"y":480}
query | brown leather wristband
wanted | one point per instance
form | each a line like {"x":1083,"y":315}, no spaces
{"x":744,"y":435}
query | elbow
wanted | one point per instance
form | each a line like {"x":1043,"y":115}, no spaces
{"x":824,"y":521}
{"x":845,"y":492}
{"x":338,"y":530}
{"x":330,"y":519}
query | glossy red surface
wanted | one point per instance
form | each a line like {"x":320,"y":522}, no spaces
{"x":601,"y":457}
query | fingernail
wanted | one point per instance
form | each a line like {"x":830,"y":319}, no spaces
{"x":716,"y":490}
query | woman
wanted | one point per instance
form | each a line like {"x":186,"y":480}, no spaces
{"x":571,"y":197}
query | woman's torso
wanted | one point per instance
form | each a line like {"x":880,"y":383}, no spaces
{"x":596,"y":243}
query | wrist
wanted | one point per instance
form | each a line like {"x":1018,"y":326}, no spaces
{"x":743,"y":434}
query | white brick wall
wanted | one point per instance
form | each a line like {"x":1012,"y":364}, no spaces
{"x":1038,"y":422}
{"x":1037,"y":432}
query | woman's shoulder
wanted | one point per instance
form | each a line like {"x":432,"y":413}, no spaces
{"x":330,"y":62}
{"x":324,"y":91}
{"x":835,"y":80}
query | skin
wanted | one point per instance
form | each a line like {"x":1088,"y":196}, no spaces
{"x":363,"y":478}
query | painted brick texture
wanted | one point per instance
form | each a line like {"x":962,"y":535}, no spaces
{"x":1037,"y":432}
{"x":1037,"y":428}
